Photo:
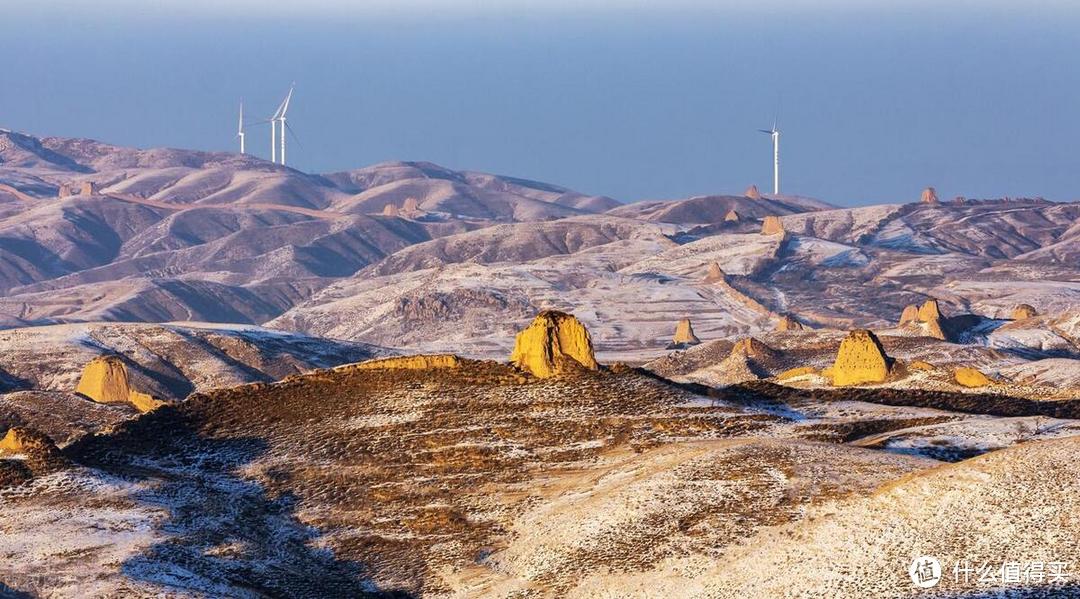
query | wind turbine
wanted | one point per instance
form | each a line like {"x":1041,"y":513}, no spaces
{"x":240,"y":128}
{"x":280,"y":117}
{"x":775,"y":133}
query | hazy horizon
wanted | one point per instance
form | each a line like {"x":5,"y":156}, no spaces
{"x":615,"y":98}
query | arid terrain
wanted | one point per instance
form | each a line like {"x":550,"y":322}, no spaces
{"x":221,"y":377}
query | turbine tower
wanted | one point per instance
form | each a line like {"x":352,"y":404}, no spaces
{"x":279,"y":116}
{"x":775,"y":133}
{"x":240,"y":128}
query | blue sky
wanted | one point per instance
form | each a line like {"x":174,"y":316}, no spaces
{"x":630,"y":99}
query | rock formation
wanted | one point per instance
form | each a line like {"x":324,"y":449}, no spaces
{"x":39,"y":452}
{"x":88,"y":188}
{"x":930,"y":311}
{"x":796,"y":372}
{"x":684,"y":335}
{"x":929,"y":196}
{"x":554,"y":343}
{"x":772,"y":226}
{"x":105,"y":380}
{"x":787,"y":323}
{"x":1024,"y":311}
{"x":927,"y":319}
{"x":753,"y":193}
{"x":861,"y":360}
{"x":411,"y":206}
{"x":391,"y":210}
{"x":63,"y":191}
{"x":421,"y":362}
{"x":910,"y":314}
{"x":970,"y":377}
{"x":732,"y":217}
{"x":715,"y":273}
{"x":920,"y":365}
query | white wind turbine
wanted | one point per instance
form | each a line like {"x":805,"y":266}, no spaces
{"x":240,"y":128}
{"x":775,"y":133}
{"x":279,"y":116}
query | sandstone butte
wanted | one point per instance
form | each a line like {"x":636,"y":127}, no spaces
{"x":929,"y":196}
{"x":732,"y":217}
{"x":420,"y":362}
{"x":22,"y":440}
{"x":555,"y":343}
{"x":772,"y":226}
{"x":1024,"y":311}
{"x":410,"y":206}
{"x":929,"y":314}
{"x":753,"y":193}
{"x":105,"y":380}
{"x":971,"y":377}
{"x":861,"y":360}
{"x":787,"y":323}
{"x":715,"y":273}
{"x":684,"y":334}
{"x":752,"y":348}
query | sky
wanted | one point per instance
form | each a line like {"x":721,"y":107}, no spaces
{"x":627,"y":98}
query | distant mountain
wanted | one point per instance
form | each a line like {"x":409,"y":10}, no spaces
{"x":217,"y":236}
{"x":715,"y":209}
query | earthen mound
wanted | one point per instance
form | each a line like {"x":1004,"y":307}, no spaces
{"x":910,"y":314}
{"x":732,"y":217}
{"x":971,"y":377}
{"x":788,"y":323}
{"x":861,"y":360}
{"x":555,"y":343}
{"x":684,"y":335}
{"x":1024,"y":311}
{"x":772,"y":226}
{"x":752,"y":193}
{"x":715,"y":273}
{"x":105,"y":380}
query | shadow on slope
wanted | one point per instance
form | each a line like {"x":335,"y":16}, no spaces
{"x":225,"y":534}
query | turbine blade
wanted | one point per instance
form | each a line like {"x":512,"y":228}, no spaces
{"x":293,"y":133}
{"x":285,"y":104}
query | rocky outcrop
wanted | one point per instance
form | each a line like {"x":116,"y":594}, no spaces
{"x":910,"y":314}
{"x":88,"y":188}
{"x":796,"y":372}
{"x":732,"y":217}
{"x":753,"y":193}
{"x":715,"y":273}
{"x":970,"y":377}
{"x":555,"y":343}
{"x":1023,"y":312}
{"x":861,"y":360}
{"x":410,"y":206}
{"x":684,"y":335}
{"x":920,"y":365}
{"x":927,"y":319}
{"x":788,"y":323}
{"x":929,"y":196}
{"x":930,"y":311}
{"x":421,"y":362}
{"x":772,"y":226}
{"x":39,"y":452}
{"x":391,"y":210}
{"x":105,"y":380}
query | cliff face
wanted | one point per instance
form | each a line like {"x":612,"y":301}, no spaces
{"x":554,"y":343}
{"x":105,"y":380}
{"x":861,"y":360}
